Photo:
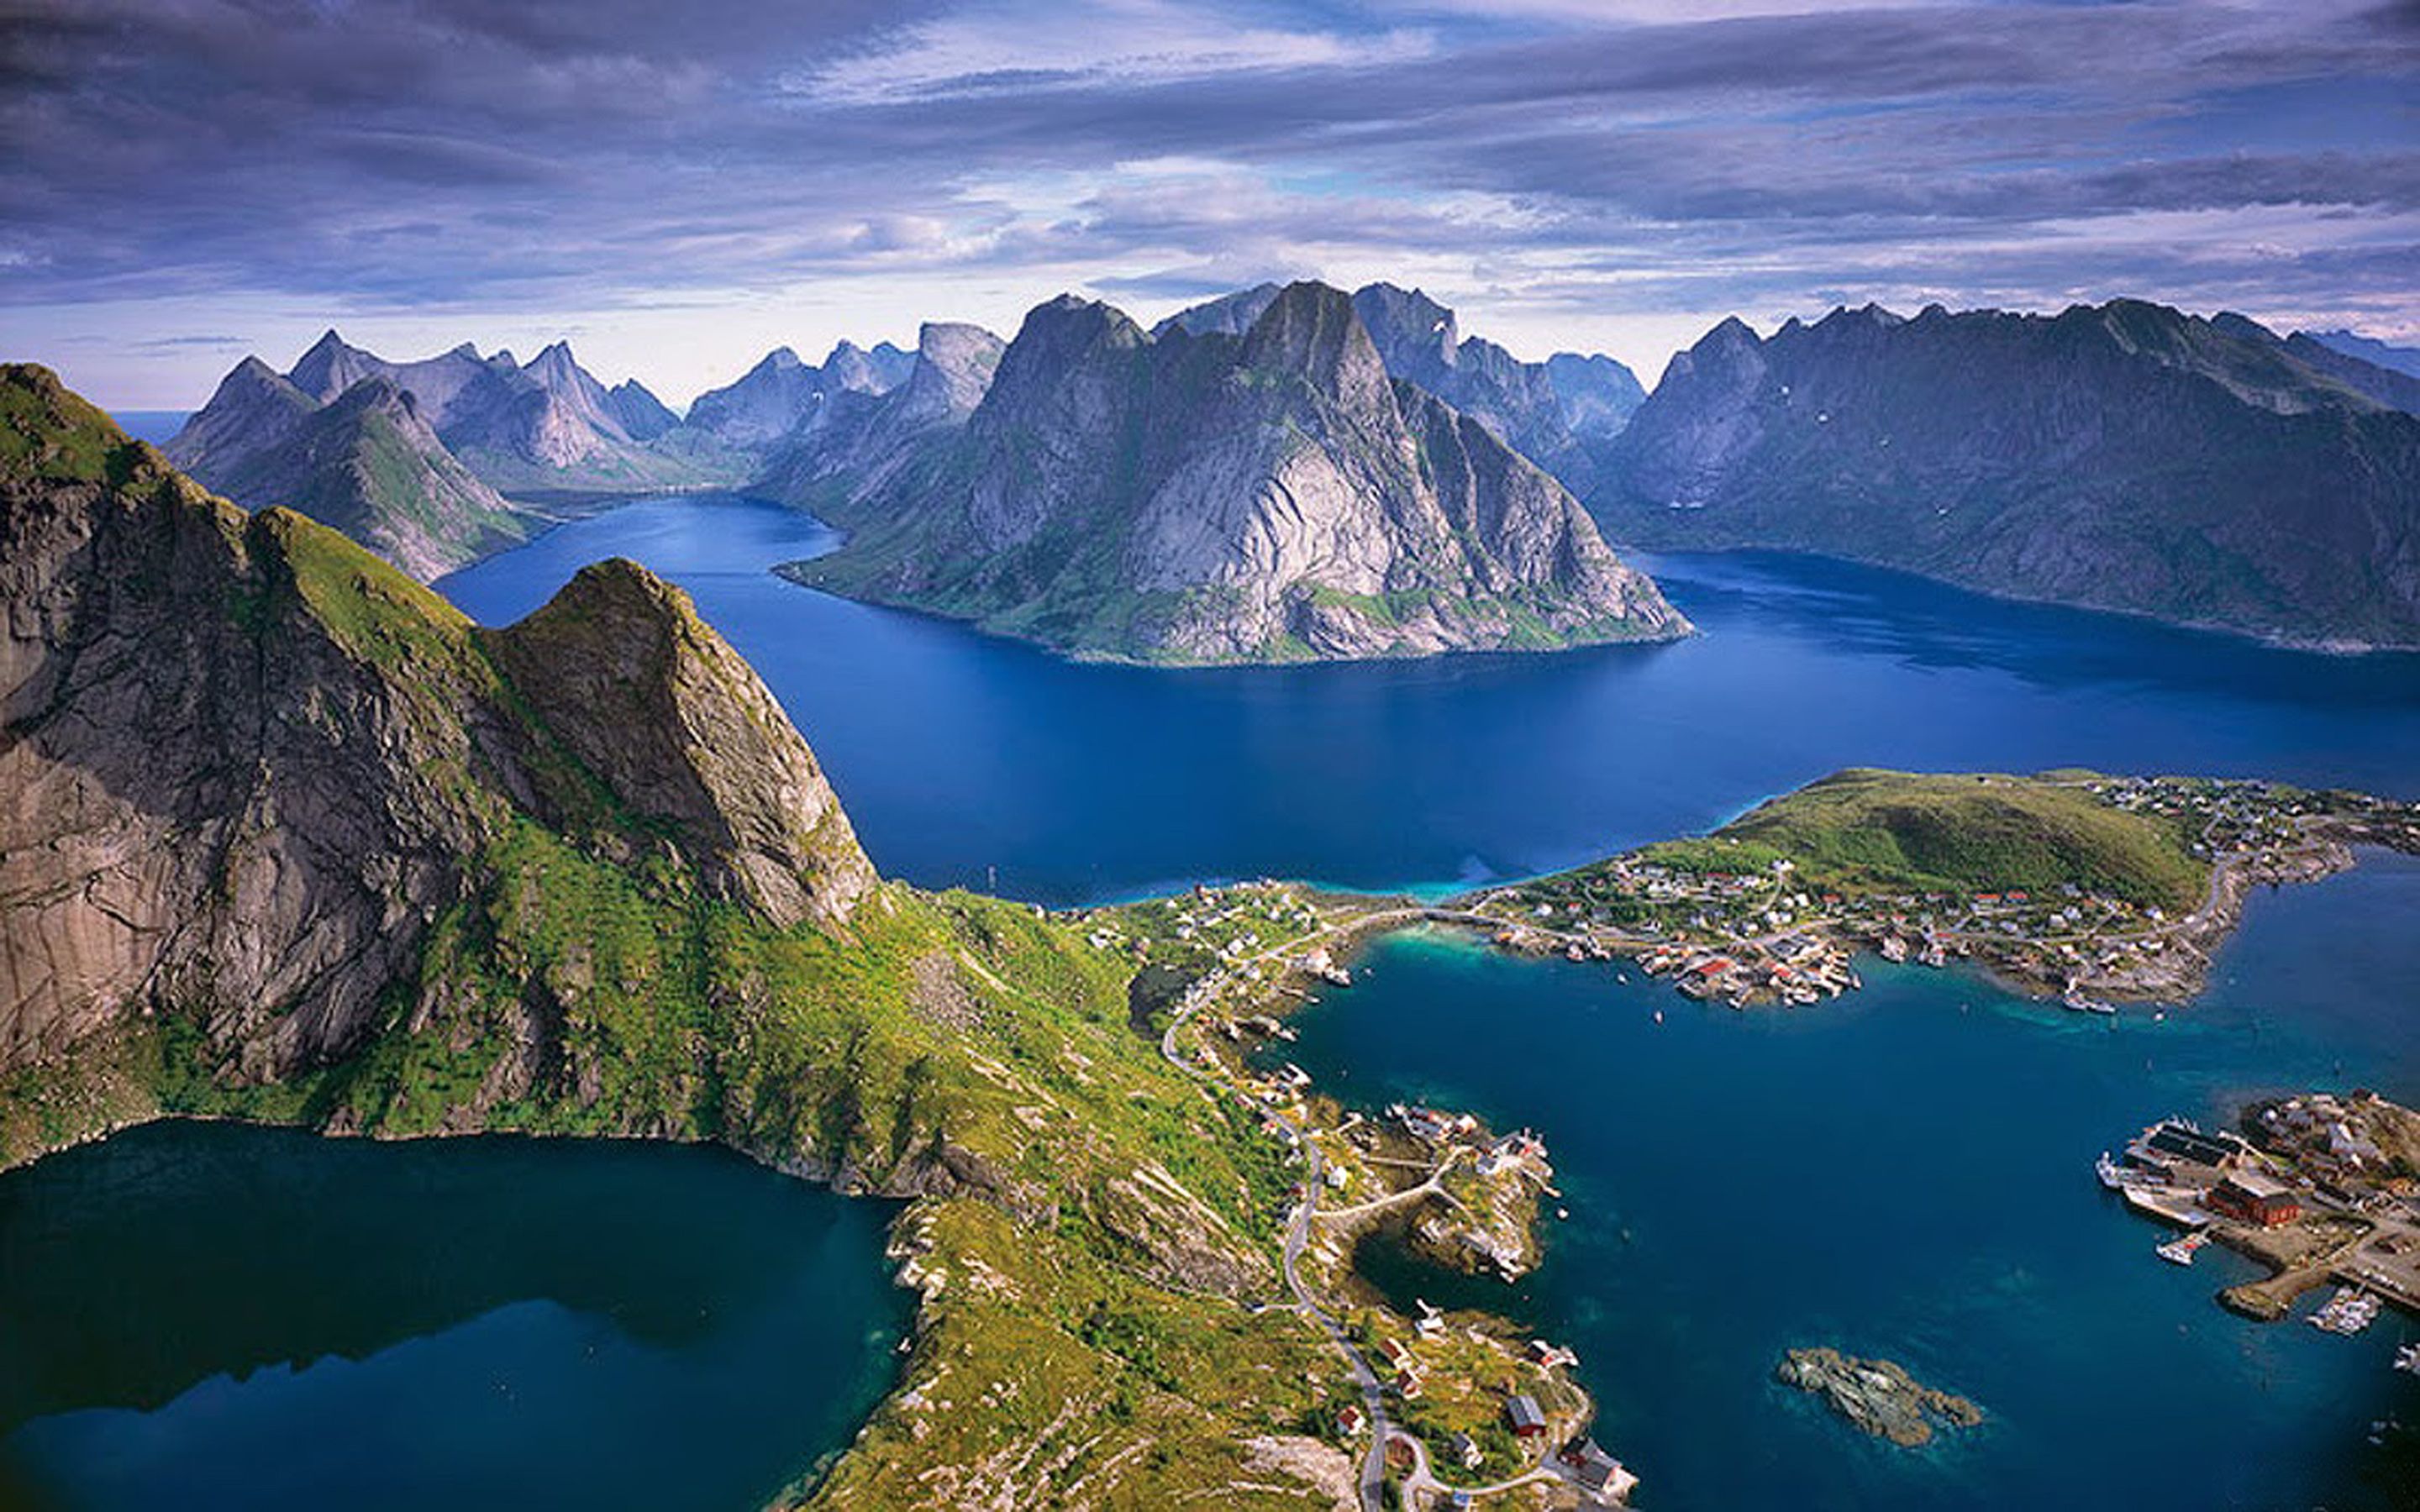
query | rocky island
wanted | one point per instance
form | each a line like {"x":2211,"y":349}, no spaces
{"x":1268,"y":496}
{"x":1876,"y":1396}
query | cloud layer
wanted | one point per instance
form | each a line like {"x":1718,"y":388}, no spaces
{"x":673,"y":180}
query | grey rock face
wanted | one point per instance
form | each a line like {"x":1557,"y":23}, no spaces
{"x":1214,"y":498}
{"x":246,"y":766}
{"x":2122,"y":456}
{"x":868,"y":437}
{"x":550,"y":426}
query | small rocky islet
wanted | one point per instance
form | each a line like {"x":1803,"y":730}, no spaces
{"x":1877,"y":1396}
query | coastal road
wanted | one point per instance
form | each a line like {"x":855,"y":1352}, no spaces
{"x":1373,"y":1464}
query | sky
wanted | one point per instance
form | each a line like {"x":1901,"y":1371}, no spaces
{"x":676,"y":188}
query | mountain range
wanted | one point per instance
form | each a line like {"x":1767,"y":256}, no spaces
{"x":1559,"y":413}
{"x":2123,"y":457}
{"x":1204,"y":496}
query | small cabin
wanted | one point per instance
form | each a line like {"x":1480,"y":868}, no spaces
{"x":1523,"y":1415}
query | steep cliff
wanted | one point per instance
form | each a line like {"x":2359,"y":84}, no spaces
{"x":250,"y":765}
{"x":865,"y":437}
{"x":1214,"y":498}
{"x":1559,"y":413}
{"x":782,"y":396}
{"x":2123,"y":457}
{"x":284,"y":838}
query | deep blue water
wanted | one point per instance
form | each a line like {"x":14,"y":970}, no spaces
{"x":957,"y":754}
{"x":1908,"y":1173}
{"x":209,"y":1315}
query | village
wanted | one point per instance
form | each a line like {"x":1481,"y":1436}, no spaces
{"x":1450,"y":1409}
{"x":1732,"y":923}
{"x":2320,"y":1188}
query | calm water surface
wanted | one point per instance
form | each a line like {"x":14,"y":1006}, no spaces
{"x":211,"y":1316}
{"x":957,"y":754}
{"x":1908,"y":1173}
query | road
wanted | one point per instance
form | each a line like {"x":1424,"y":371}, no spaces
{"x":1373,"y":1464}
{"x":1382,"y":1430}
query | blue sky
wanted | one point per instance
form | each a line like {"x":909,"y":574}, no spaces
{"x":677,"y":188}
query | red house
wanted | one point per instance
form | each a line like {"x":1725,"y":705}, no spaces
{"x":2254,"y":1198}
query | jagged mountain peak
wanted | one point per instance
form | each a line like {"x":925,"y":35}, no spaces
{"x":1228,"y":315}
{"x":393,"y":752}
{"x":684,"y":732}
{"x":1312,"y":331}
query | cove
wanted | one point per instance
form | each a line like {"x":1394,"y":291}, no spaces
{"x":969,"y":761}
{"x":1906,"y":1172}
{"x":210,"y":1315}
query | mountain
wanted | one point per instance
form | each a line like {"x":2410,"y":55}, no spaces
{"x":1598,"y":395}
{"x":868,"y":435}
{"x":782,"y":396}
{"x":253,"y":410}
{"x":290,"y":841}
{"x":642,"y":416}
{"x":1219,"y":498}
{"x":2403,"y":359}
{"x":264,"y":783}
{"x":2394,"y":386}
{"x":548,"y":426}
{"x":368,"y":465}
{"x":364,"y":460}
{"x":1558,"y":413}
{"x":1228,"y":315}
{"x":2121,"y":456}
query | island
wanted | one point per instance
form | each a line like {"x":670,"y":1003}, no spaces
{"x":2071,"y":885}
{"x":1877,"y":1396}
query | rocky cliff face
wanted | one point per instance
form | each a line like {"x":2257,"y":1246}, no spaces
{"x":365,"y":464}
{"x":249,"y":767}
{"x":2123,"y":457}
{"x":1216,"y":498}
{"x":868,"y":436}
{"x":782,"y":397}
{"x":1558,"y":413}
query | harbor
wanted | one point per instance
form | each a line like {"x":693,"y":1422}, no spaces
{"x":2319,"y":1189}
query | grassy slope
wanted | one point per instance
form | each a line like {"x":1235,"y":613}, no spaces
{"x":1895,"y":831}
{"x":953,"y":1044}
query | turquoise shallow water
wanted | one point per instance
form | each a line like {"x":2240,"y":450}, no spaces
{"x":1907,"y":1173}
{"x":213,"y":1316}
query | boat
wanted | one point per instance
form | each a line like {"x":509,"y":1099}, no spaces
{"x":2181,"y":1251}
{"x":2078,"y":1003}
{"x":2347,"y":1312}
{"x":2408,"y":1359}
